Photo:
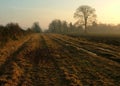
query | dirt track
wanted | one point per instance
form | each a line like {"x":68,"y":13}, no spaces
{"x":59,"y":60}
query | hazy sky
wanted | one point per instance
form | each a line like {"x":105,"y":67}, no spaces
{"x":25,"y":12}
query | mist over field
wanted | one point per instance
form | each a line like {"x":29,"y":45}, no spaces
{"x":59,"y":43}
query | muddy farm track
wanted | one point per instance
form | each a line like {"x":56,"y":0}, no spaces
{"x":59,"y":60}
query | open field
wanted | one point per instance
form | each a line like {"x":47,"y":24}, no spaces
{"x":107,"y":39}
{"x":59,"y":60}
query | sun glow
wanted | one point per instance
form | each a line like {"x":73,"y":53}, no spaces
{"x":25,"y":12}
{"x":110,"y":12}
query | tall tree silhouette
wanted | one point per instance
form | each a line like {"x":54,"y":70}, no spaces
{"x":85,"y":15}
{"x":36,"y":28}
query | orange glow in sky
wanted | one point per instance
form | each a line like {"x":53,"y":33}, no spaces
{"x":25,"y":12}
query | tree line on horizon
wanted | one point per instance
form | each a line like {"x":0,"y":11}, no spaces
{"x":63,"y":27}
{"x":13,"y":31}
{"x":86,"y":24}
{"x":85,"y":16}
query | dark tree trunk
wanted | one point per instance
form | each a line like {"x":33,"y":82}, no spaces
{"x":85,"y":25}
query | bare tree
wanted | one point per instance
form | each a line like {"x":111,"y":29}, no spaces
{"x":85,"y":15}
{"x":36,"y":27}
{"x":58,"y":26}
{"x":55,"y":26}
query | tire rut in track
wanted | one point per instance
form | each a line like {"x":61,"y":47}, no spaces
{"x":98,"y":72}
{"x":46,"y":73}
{"x":10,"y":48}
{"x":49,"y":60}
{"x":106,"y":51}
{"x":65,"y":63}
{"x":28,"y":65}
{"x":11,"y":71}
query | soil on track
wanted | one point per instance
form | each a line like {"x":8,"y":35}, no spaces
{"x":59,"y":60}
